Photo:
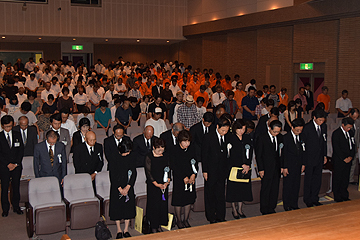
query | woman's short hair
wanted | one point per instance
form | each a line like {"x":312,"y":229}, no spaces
{"x":84,"y":122}
{"x":125,"y":145}
{"x":103,"y":103}
{"x":238,"y":124}
{"x":158,"y":143}
{"x":65,"y":89}
{"x":184,"y":135}
{"x":50,"y":97}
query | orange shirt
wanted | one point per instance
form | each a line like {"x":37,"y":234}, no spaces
{"x":137,"y":75}
{"x":158,"y":74}
{"x":145,"y":90}
{"x":178,"y":74}
{"x":324,"y":99}
{"x":205,"y":95}
{"x":123,"y":78}
{"x":193,"y":87}
{"x":239,"y":94}
{"x":284,"y":100}
{"x":226,"y":85}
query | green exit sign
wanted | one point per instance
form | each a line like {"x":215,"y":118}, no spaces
{"x":306,"y":66}
{"x":77,"y":47}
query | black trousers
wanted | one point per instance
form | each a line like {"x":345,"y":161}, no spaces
{"x":291,"y":187}
{"x":340,"y":181}
{"x":269,"y":191}
{"x":312,"y":183}
{"x":215,"y":205}
{"x":6,"y":176}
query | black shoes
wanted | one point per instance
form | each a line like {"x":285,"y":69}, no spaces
{"x":186,"y":224}
{"x":180,"y":225}
{"x":287,"y":208}
{"x":317,"y":203}
{"x":235,"y":216}
{"x":242,"y":215}
{"x":18,"y":211}
{"x":213,"y":221}
{"x":119,"y":235}
{"x":126,"y":235}
{"x":5,"y":214}
{"x":309,"y":204}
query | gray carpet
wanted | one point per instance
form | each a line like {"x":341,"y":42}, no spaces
{"x":13,"y":226}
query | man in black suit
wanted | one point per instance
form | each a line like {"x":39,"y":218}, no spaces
{"x":11,"y":154}
{"x":143,"y":145}
{"x":199,"y":130}
{"x":309,"y":97}
{"x":157,"y":89}
{"x":50,"y":157}
{"x":215,"y":170}
{"x":88,"y":157}
{"x":170,"y":136}
{"x":263,"y":124}
{"x":292,"y":155}
{"x":28,"y":134}
{"x":111,"y":144}
{"x":314,"y":136}
{"x":268,"y":151}
{"x":344,"y":149}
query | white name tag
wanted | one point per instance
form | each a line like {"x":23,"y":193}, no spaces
{"x":17,"y":144}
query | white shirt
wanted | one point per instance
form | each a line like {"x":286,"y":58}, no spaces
{"x":45,"y":93}
{"x":272,"y":140}
{"x":30,"y":66}
{"x":101,"y":92}
{"x":220,"y":137}
{"x":218,"y":100}
{"x":113,"y":111}
{"x":90,"y":148}
{"x":30,"y":115}
{"x":159,"y":126}
{"x":108,"y":96}
{"x":94,"y":97}
{"x":59,"y":77}
{"x":99,"y":68}
{"x":347,"y":136}
{"x":19,"y":84}
{"x":41,"y":66}
{"x":344,"y":104}
{"x":200,"y":112}
{"x":174,"y":89}
{"x":205,"y":129}
{"x":317,"y":127}
{"x":127,"y":69}
{"x":46,"y":77}
{"x":21,"y":98}
{"x":38,"y":75}
{"x":69,"y":69}
{"x":80,"y":99}
{"x":31,"y":84}
{"x":10,"y":135}
{"x":56,"y":88}
{"x":295,"y":137}
{"x":69,"y":125}
{"x":175,"y":112}
{"x":249,"y":85}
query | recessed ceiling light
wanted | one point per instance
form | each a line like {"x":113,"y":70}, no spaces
{"x":74,"y":39}
{"x":39,"y":38}
{"x":167,"y":41}
{"x":3,"y":37}
{"x":106,"y":40}
{"x":138,"y":40}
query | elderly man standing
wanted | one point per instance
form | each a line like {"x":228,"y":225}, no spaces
{"x":143,"y":145}
{"x":187,"y":113}
{"x":88,"y":157}
{"x":170,"y":136}
{"x":28,"y":134}
{"x":50,"y":157}
{"x":355,"y":131}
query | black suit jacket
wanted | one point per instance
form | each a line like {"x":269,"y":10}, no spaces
{"x":111,"y":150}
{"x":197,"y":133}
{"x":11,"y":155}
{"x":42,"y":164}
{"x":214,"y":158}
{"x":341,"y":146}
{"x":169,"y":141}
{"x":292,"y":155}
{"x":31,"y":139}
{"x":86,"y":163}
{"x":315,"y":147}
{"x":140,"y":149}
{"x":155,"y":91}
{"x":77,"y":140}
{"x":261,"y":127}
{"x":310,"y":101}
{"x":267,"y":158}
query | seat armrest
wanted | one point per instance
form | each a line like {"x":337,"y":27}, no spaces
{"x":101,"y":204}
{"x":67,"y":209}
{"x":29,"y":220}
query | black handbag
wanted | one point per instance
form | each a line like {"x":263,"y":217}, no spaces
{"x":146,"y":229}
{"x":102,"y":231}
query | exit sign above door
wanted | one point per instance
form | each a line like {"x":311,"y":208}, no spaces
{"x":306,"y":66}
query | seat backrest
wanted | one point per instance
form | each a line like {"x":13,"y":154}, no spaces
{"x":140,"y":184}
{"x":142,"y":121}
{"x":44,"y":190}
{"x":134,"y":135}
{"x":102,"y":181}
{"x":134,"y":130}
{"x":70,"y":168}
{"x":70,"y":158}
{"x":78,"y":186}
{"x":28,"y":166}
{"x":105,"y":166}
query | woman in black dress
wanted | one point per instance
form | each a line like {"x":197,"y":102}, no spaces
{"x":79,"y":136}
{"x":240,"y":155}
{"x":184,"y":169}
{"x":157,"y":181}
{"x":122,"y":198}
{"x":50,"y":103}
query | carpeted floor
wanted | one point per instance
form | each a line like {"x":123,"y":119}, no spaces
{"x":13,"y":226}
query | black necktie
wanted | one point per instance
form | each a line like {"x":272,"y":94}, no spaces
{"x":318,"y":131}
{"x":298,"y":145}
{"x":274,"y":142}
{"x":8,"y":140}
{"x":24,"y":137}
{"x":91,"y":151}
{"x":206,"y":130}
{"x":222,"y":143}
{"x":219,"y":96}
{"x":148,"y":145}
